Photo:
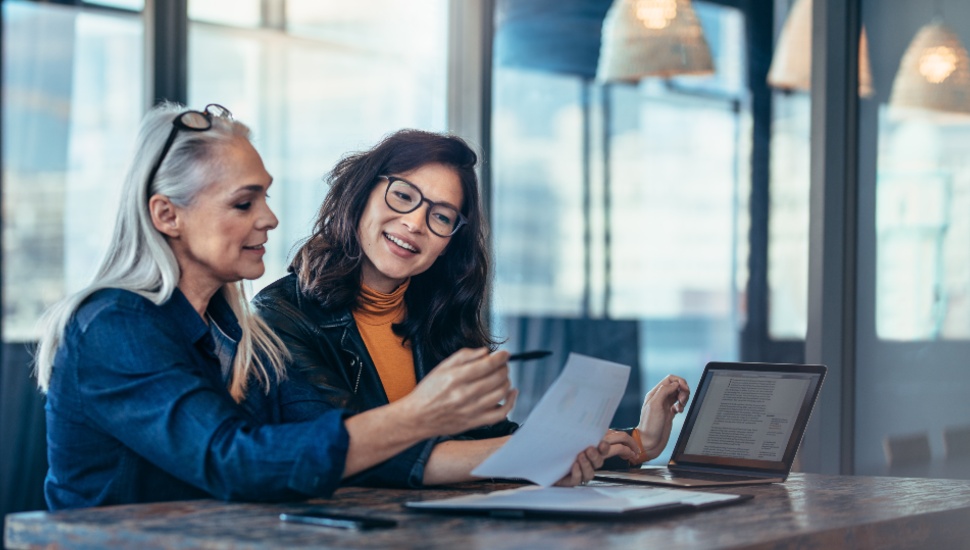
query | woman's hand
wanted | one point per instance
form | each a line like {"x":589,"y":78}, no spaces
{"x":622,"y":445}
{"x":662,"y":403}
{"x":471,"y":388}
{"x":585,"y":465}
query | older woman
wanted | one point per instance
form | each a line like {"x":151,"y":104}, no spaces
{"x":392,"y":282}
{"x":162,"y":384}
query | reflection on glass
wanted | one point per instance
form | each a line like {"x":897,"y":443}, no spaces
{"x":922,"y":252}
{"x":237,"y":13}
{"x":73,"y":93}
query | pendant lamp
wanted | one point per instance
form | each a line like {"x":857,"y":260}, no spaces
{"x":934,"y":73}
{"x":791,"y":65}
{"x":644,"y":38}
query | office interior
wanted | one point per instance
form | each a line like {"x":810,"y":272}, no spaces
{"x":796,"y":199}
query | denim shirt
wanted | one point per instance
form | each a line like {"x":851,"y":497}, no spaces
{"x":138,"y":411}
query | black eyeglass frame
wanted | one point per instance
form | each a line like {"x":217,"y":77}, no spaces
{"x":178,"y":123}
{"x":462,"y":220}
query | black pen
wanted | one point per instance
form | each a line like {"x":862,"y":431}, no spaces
{"x":530,"y":355}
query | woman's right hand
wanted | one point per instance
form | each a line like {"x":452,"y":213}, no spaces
{"x":469,"y":389}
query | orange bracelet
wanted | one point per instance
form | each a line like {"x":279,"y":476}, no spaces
{"x":641,"y":456}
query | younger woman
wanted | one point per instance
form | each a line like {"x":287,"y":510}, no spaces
{"x":393,"y":281}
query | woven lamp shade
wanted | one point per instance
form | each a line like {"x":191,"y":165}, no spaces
{"x":644,"y":38}
{"x":934,"y":74}
{"x":791,"y":65}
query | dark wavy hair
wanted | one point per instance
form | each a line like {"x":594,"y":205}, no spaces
{"x":445,"y":304}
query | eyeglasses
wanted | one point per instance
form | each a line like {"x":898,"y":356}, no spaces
{"x":192,"y":121}
{"x":403,"y":196}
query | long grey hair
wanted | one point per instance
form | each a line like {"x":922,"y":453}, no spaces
{"x":140,"y":260}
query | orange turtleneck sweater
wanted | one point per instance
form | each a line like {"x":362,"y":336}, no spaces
{"x":374,"y":316}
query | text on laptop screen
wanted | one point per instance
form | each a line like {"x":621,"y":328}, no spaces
{"x":748,"y":415}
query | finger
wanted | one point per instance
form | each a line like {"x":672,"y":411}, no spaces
{"x":620,"y":444}
{"x":470,"y":363}
{"x":510,"y":400}
{"x":464,"y":355}
{"x":585,"y":466}
{"x":669,"y":388}
{"x":501,"y":355}
{"x":604,"y":447}
{"x":595,"y":458}
{"x":478,"y":388}
{"x":488,"y":399}
{"x":577,"y":474}
{"x":498,"y":414}
{"x":683,"y":388}
{"x":504,"y":408}
{"x":489,"y":369}
{"x":574,"y":477}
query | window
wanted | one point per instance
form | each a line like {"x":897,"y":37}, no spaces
{"x":619,"y":211}
{"x":338,"y":78}
{"x":73,"y":98}
{"x":922,"y":235}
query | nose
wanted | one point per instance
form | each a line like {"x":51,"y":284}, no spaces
{"x":267,"y":219}
{"x":415,"y":220}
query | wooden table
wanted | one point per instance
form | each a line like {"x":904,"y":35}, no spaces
{"x":808,"y":511}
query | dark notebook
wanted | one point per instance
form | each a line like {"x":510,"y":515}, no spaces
{"x":743,"y":426}
{"x":593,"y":501}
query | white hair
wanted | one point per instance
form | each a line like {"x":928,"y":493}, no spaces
{"x":139,"y":258}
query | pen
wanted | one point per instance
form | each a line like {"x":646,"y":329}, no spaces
{"x":530,"y":355}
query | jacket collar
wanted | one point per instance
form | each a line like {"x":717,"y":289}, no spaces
{"x":338,"y":318}
{"x":194,"y":327}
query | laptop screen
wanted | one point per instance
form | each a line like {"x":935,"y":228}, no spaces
{"x":748,"y":417}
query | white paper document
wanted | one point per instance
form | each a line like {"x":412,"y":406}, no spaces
{"x":592,"y":499}
{"x":573,"y":414}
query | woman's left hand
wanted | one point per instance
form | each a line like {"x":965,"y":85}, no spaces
{"x":585,"y":465}
{"x":660,"y":406}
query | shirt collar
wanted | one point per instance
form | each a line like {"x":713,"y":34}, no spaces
{"x":194,"y":326}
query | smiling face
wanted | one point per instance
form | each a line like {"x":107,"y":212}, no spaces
{"x":398,"y":246}
{"x":219,"y":238}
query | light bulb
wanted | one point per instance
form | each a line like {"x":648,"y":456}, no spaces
{"x":937,"y":64}
{"x":656,"y":14}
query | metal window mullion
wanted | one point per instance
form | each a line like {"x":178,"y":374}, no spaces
{"x":166,"y":50}
{"x":833,"y":223}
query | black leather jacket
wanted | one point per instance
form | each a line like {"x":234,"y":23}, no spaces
{"x":328,"y":351}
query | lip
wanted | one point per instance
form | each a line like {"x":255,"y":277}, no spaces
{"x":398,"y":250}
{"x":256,"y":249}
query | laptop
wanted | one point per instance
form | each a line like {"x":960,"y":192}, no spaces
{"x":743,"y":427}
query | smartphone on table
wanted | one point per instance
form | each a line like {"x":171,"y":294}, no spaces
{"x":337,"y":520}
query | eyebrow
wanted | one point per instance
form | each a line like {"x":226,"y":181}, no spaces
{"x":254,"y":188}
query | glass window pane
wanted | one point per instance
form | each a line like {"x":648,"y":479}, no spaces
{"x":913,"y":303}
{"x":788,"y":218}
{"x":789,"y":75}
{"x":237,"y":13}
{"x":311,"y":99}
{"x":537,"y":185}
{"x":135,"y":5}
{"x":73,"y":83}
